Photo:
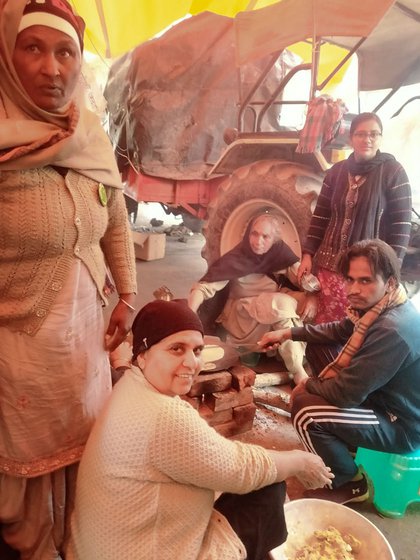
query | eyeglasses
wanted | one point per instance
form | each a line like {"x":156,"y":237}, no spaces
{"x":374,"y":135}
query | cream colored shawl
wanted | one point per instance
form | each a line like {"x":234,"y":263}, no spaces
{"x":31,"y":137}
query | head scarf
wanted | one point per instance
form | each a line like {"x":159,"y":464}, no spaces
{"x":31,"y":137}
{"x":56,"y":14}
{"x":365,"y":166}
{"x":159,"y":319}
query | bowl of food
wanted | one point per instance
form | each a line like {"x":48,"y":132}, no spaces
{"x":319,"y":529}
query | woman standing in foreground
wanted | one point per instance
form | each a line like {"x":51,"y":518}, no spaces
{"x":367,"y":196}
{"x":63,"y":218}
{"x":152,"y":466}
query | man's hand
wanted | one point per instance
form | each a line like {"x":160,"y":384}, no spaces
{"x":273,"y":339}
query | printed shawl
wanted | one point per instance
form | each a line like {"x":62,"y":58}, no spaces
{"x":391,"y":299}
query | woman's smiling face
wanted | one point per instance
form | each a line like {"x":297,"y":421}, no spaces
{"x":48,"y":64}
{"x":172,"y":364}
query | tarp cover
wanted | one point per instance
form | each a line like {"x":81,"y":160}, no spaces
{"x":171,"y":98}
{"x":388,"y":58}
{"x":114,"y":27}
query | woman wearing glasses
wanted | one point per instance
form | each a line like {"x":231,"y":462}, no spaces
{"x":363,"y":197}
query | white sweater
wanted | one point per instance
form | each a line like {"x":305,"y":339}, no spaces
{"x":148,"y":477}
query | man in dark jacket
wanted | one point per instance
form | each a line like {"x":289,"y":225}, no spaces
{"x":369,"y":396}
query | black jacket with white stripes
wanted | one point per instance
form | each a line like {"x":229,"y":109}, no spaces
{"x":384,"y":373}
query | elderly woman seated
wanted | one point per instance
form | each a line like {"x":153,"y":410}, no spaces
{"x":257,"y":291}
{"x":152,"y":466}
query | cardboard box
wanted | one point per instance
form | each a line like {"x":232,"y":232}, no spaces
{"x":149,"y":246}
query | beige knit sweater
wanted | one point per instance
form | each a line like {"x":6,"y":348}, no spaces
{"x":148,"y":477}
{"x":46,"y":222}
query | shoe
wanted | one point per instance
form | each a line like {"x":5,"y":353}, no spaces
{"x":352,"y":491}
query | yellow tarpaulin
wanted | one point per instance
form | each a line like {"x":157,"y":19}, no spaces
{"x":265,"y":26}
{"x":115,"y":26}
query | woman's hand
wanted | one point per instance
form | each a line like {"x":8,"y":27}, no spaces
{"x":120,"y":322}
{"x":273,"y":339}
{"x":313,"y":472}
{"x":310,"y":308}
{"x":305,"y":266}
{"x":307,"y":467}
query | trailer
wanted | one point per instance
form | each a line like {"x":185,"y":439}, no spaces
{"x":200,"y":117}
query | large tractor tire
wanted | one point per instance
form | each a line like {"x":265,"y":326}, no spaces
{"x":286,"y":188}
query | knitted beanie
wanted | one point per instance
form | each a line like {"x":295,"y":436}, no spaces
{"x":56,"y":14}
{"x":159,"y":319}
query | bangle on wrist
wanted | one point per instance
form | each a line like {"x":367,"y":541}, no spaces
{"x":127,"y":304}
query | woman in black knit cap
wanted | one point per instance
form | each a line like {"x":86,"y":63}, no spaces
{"x":152,"y":466}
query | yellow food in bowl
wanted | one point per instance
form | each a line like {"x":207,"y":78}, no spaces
{"x":330,"y":544}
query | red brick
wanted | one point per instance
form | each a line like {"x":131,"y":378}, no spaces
{"x":214,"y":418}
{"x":242,"y":377}
{"x":227,"y":429}
{"x":211,"y":383}
{"x":232,"y":428}
{"x":244,"y":427}
{"x":244,"y":414}
{"x":228,"y":399}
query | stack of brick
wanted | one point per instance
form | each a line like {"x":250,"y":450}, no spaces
{"x":225,"y":399}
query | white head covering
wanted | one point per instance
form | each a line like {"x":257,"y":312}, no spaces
{"x":49,"y":20}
